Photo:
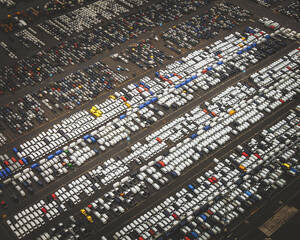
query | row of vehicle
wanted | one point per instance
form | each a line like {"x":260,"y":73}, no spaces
{"x":137,"y":115}
{"x":278,"y":30}
{"x":143,"y":54}
{"x":67,"y":93}
{"x":267,"y":3}
{"x":204,"y":133}
{"x":82,"y":86}
{"x":162,"y":162}
{"x":22,"y":15}
{"x":21,"y":115}
{"x":212,"y":201}
{"x":110,"y":9}
{"x":81,"y":19}
{"x":53,"y":60}
{"x":7,"y":3}
{"x":230,"y":61}
{"x":28,"y":37}
{"x":166,"y":89}
{"x":153,"y":16}
{"x":3,"y":139}
{"x":242,"y":157}
{"x":133,"y":3}
{"x":205,"y":26}
{"x":123,"y":100}
{"x":291,"y":10}
{"x":8,"y":51}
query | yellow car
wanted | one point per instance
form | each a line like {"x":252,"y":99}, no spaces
{"x":286,"y":165}
{"x":242,"y":168}
{"x":98,"y":113}
{"x":95,"y":111}
{"x":127,"y":104}
{"x":231,"y":112}
{"x":83,"y":212}
{"x":90,"y":219}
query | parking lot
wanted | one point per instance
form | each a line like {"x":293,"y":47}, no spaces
{"x":115,"y":144}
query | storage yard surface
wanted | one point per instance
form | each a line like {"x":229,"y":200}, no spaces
{"x":136,"y":119}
